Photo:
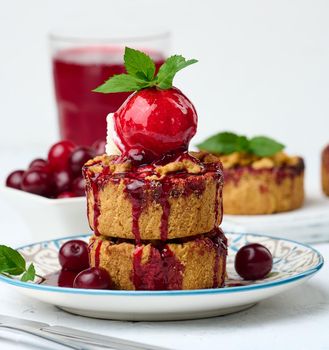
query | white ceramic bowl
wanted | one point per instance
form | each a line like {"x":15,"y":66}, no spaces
{"x":48,"y":218}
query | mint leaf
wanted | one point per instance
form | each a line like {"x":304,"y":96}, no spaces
{"x":223,"y":143}
{"x":11,"y":261}
{"x":264,"y":146}
{"x":29,"y":275}
{"x":139,"y":64}
{"x":242,"y":144}
{"x":122,"y":83}
{"x":168,"y":70}
{"x":228,"y":142}
{"x":141,"y":69}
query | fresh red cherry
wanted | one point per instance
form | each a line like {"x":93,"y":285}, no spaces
{"x":253,"y":261}
{"x":78,"y":158}
{"x":14,"y":179}
{"x":155,"y":122}
{"x":59,"y":153}
{"x":66,"y":278}
{"x":37,"y":181}
{"x":78,"y":187}
{"x":73,"y":255}
{"x":39,"y":163}
{"x":62,"y":181}
{"x":93,"y":278}
{"x":99,"y":147}
{"x":66,"y":194}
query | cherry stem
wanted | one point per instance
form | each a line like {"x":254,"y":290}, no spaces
{"x":41,"y":277}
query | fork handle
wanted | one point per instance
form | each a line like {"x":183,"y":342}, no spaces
{"x":47,"y":336}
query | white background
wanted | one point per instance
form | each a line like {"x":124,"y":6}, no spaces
{"x":264,"y":65}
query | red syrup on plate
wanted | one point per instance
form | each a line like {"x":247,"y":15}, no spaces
{"x":236,"y":283}
{"x":77,"y":71}
{"x":62,"y":278}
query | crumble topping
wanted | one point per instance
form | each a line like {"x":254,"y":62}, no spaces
{"x":244,"y":159}
{"x":173,"y":167}
{"x":191,"y":163}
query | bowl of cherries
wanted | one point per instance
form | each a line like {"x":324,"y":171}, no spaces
{"x":50,"y":192}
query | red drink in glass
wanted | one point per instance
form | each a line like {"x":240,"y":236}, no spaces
{"x":77,"y":71}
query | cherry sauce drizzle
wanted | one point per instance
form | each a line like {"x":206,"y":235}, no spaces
{"x":98,"y":253}
{"x":162,"y":271}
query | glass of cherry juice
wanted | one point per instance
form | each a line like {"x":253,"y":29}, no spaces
{"x":83,"y":62}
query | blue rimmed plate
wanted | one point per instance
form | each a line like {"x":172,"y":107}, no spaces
{"x":294,"y":263}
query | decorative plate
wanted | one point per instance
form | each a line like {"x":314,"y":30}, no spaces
{"x":294,"y":263}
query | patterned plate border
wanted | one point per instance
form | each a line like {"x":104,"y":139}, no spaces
{"x":245,"y":288}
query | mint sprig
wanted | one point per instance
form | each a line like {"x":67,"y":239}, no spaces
{"x":29,"y":274}
{"x":229,"y":142}
{"x":12,"y":263}
{"x":168,"y":70}
{"x":138,"y":64}
{"x":122,"y":83}
{"x":141,"y":73}
{"x":264,"y":146}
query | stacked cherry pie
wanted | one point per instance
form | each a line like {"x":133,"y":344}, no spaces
{"x":155,"y":208}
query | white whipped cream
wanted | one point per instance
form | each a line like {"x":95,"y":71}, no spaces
{"x":111,"y":148}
